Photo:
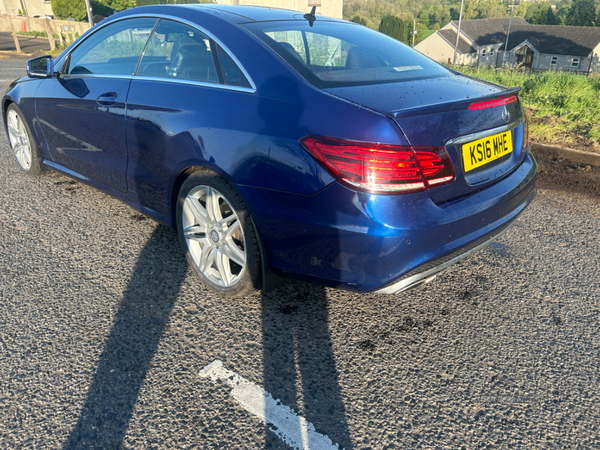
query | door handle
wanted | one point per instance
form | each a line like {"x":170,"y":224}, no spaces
{"x":107,"y":99}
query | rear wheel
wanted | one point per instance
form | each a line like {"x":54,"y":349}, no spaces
{"x":22,"y":142}
{"x":217,"y":235}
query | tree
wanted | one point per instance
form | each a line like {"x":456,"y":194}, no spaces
{"x":445,"y":16}
{"x":541,"y":14}
{"x":63,"y":9}
{"x":360,"y":20}
{"x":394,"y":27}
{"x":483,"y":8}
{"x":469,"y":10}
{"x":120,"y":5}
{"x":408,"y":33}
{"x":497,"y":11}
{"x":101,"y":9}
{"x":582,"y":13}
{"x":455,"y":12}
{"x":562,"y":10}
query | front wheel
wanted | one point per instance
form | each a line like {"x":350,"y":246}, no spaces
{"x":217,"y":235}
{"x":22,"y":142}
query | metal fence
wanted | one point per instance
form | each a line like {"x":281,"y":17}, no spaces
{"x":587,"y":73}
{"x":528,"y":70}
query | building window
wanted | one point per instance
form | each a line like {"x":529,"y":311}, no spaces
{"x":483,"y":53}
{"x":491,"y":53}
{"x":553,"y":60}
{"x":575,"y":63}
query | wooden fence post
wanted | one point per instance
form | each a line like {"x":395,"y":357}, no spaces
{"x":60,"y":37}
{"x":14,"y":34}
{"x":49,"y":31}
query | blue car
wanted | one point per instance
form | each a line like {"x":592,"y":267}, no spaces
{"x":280,"y":144}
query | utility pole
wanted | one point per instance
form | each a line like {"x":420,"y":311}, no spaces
{"x":90,"y":15}
{"x":24,"y":5}
{"x":512,"y":8}
{"x":462,"y":4}
{"x":414,"y":30}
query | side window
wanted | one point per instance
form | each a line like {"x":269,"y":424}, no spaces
{"x":553,"y":60}
{"x":113,"y":50}
{"x":178,"y":51}
{"x":232,"y":74}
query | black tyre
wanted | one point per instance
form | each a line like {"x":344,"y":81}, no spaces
{"x":217,"y":235}
{"x":22,"y":142}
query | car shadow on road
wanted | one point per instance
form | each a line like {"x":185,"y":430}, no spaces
{"x":135,"y":335}
{"x":299,"y":364}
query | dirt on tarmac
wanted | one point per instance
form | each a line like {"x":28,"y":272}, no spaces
{"x":566,"y":175}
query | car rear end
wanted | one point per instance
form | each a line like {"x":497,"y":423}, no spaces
{"x":458,"y":175}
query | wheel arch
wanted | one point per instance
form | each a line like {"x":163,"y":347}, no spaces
{"x":269,"y":279}
{"x":6,"y":102}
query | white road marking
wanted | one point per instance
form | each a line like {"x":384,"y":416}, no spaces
{"x":293,"y":429}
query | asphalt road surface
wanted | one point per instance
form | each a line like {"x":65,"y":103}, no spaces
{"x":104,"y":332}
{"x":29,"y":44}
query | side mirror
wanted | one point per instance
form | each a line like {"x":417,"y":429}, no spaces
{"x":42,"y":67}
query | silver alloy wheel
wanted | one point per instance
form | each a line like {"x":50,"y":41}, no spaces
{"x":19,"y":140}
{"x":214,"y":236}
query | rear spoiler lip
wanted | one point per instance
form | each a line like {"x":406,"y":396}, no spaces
{"x":448,"y":106}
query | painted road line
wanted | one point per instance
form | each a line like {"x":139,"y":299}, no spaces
{"x":291,"y":428}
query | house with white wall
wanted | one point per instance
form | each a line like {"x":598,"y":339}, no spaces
{"x":542,"y":47}
{"x":555,"y":47}
{"x":32,"y":8}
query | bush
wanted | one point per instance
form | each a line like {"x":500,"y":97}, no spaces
{"x":102,"y":9}
{"x":63,"y":9}
{"x":394,"y":27}
{"x":360,"y":20}
{"x":33,"y":33}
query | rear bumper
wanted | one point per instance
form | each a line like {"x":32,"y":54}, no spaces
{"x":427,"y":272}
{"x":384,"y":243}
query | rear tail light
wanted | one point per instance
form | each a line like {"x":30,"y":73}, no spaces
{"x":381,"y":168}
{"x":492,"y":103}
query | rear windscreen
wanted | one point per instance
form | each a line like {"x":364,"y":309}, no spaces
{"x":336,"y":54}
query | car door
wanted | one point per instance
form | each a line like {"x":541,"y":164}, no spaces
{"x":183,"y":93}
{"x":82,"y":109}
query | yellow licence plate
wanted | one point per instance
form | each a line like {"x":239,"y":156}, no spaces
{"x":480,"y":152}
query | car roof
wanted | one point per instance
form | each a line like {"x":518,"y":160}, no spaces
{"x":235,"y":13}
{"x":248,"y":13}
